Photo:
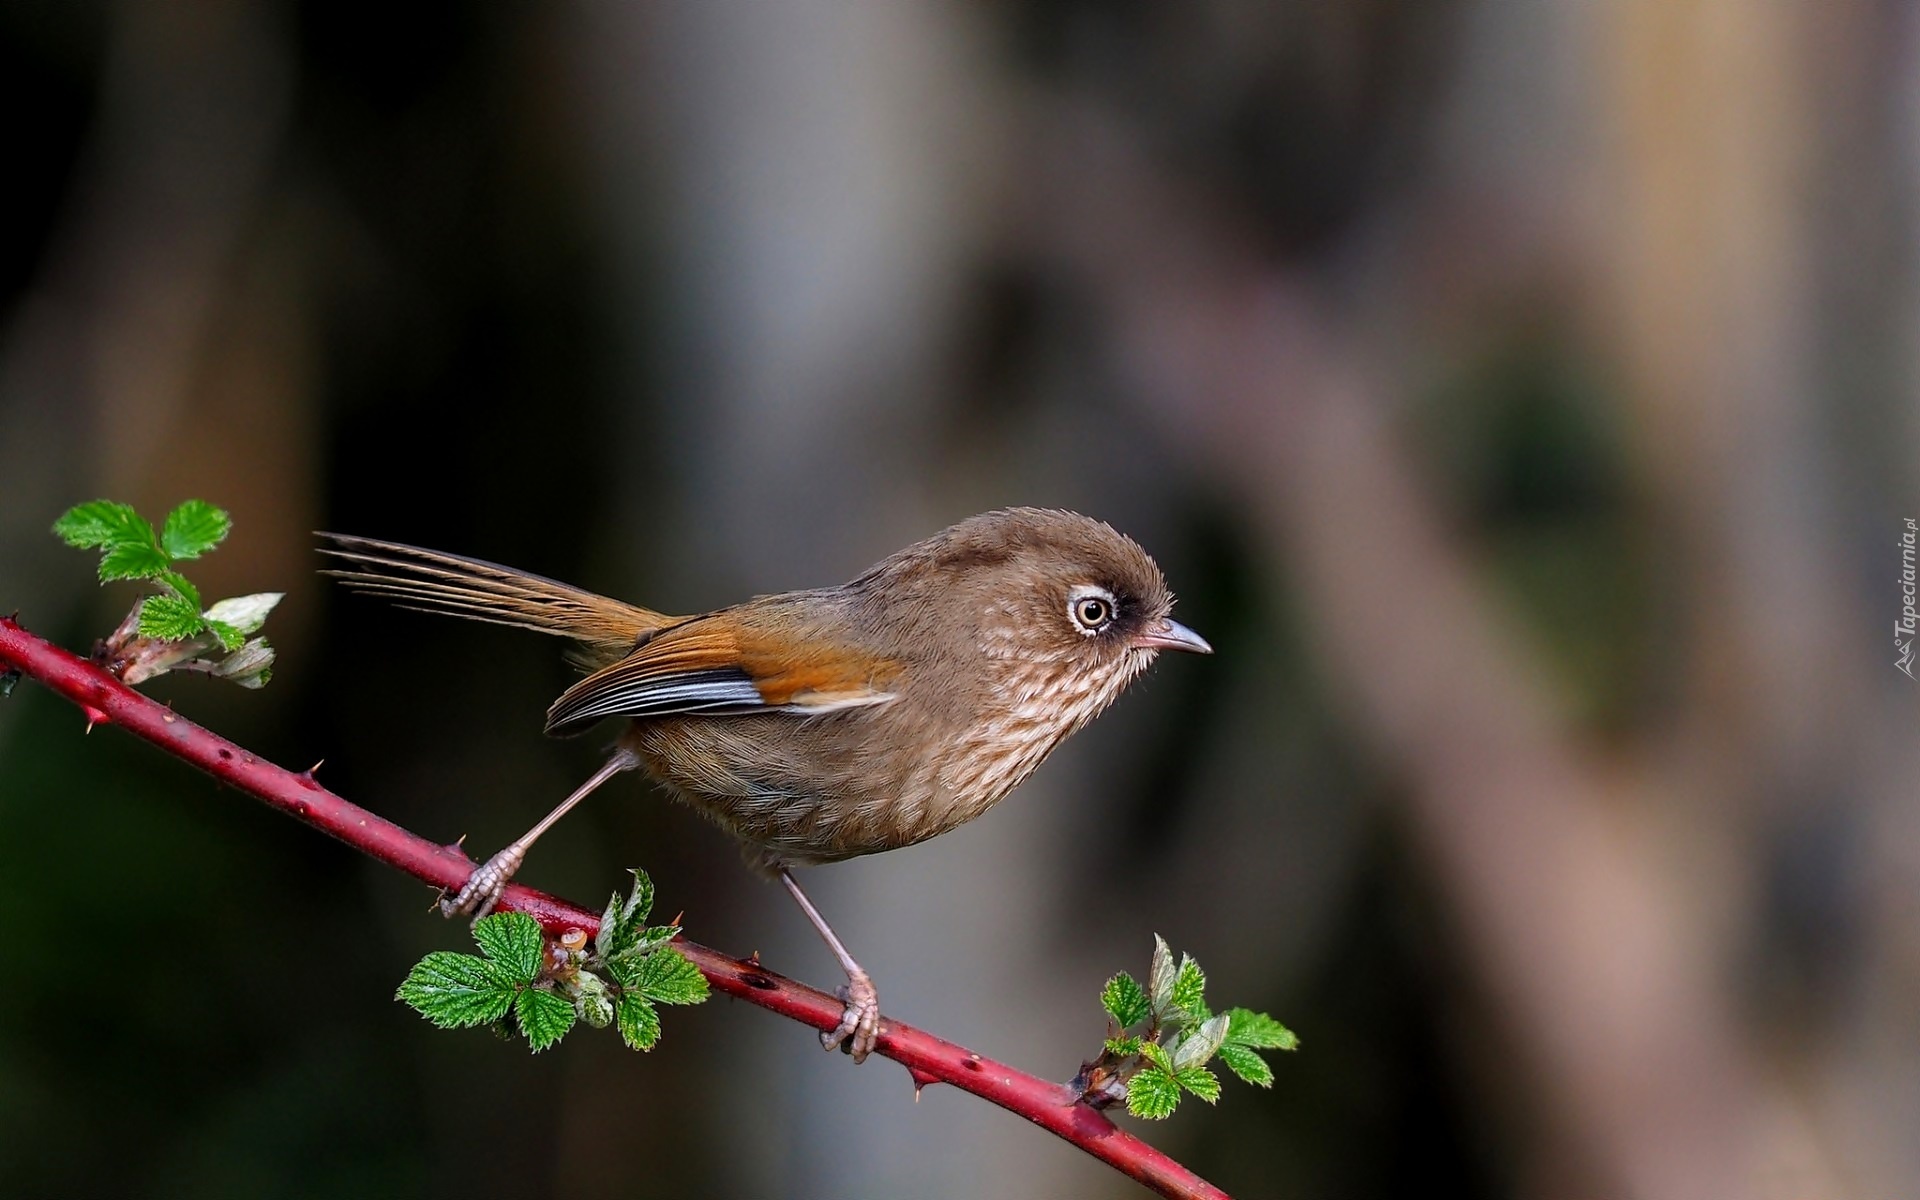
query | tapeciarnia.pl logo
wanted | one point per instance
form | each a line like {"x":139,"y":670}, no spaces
{"x":1903,"y":628}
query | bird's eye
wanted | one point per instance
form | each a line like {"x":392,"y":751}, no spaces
{"x":1092,"y":610}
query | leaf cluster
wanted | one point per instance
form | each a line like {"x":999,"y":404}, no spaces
{"x":544,"y":987}
{"x":170,"y":630}
{"x":1161,"y":1037}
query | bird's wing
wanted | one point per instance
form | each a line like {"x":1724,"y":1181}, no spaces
{"x":726,"y":665}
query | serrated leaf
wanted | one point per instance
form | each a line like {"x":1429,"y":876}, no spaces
{"x":1200,"y":1082}
{"x":1200,"y":1043}
{"x":640,"y":901}
{"x":245,"y":613}
{"x":1124,"y":1047}
{"x":1152,"y":1093}
{"x":625,"y":969}
{"x":512,"y":940}
{"x":133,"y":560}
{"x":101,"y":523}
{"x":621,"y":925}
{"x":653,"y":937}
{"x":669,"y":977}
{"x":193,"y":529}
{"x":627,"y":964}
{"x":1247,"y":1065}
{"x":1156,"y":1054}
{"x":543,"y":1016}
{"x":169,"y":618}
{"x":1248,"y":1028}
{"x":181,"y":584}
{"x":1125,"y":1000}
{"x":639,"y":1021}
{"x":1189,"y":990}
{"x":1160,"y":978}
{"x":609,"y":925}
{"x":456,"y":991}
{"x":229,"y":637}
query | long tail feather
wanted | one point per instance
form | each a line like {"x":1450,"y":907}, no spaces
{"x":450,"y":585}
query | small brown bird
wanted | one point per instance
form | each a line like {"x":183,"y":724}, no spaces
{"x":819,"y":725}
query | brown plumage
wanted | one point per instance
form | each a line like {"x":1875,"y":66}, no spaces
{"x":819,"y":725}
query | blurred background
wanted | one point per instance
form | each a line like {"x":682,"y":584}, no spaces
{"x":1519,"y":396}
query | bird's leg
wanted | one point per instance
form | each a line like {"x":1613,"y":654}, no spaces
{"x":489,"y":879}
{"x":860,"y":1022}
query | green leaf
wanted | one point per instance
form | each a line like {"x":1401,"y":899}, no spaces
{"x":102,"y":523}
{"x":1248,"y":1028}
{"x":1152,"y":1094}
{"x":1156,"y":1054}
{"x":603,"y":941}
{"x":193,"y":529}
{"x":1124,"y":1047}
{"x":639,"y":1021}
{"x":669,"y":977}
{"x":625,"y":968}
{"x":1125,"y":1000}
{"x":230,"y":638}
{"x":652,"y":937}
{"x":1247,"y":1065}
{"x":640,"y":902}
{"x":169,"y":618}
{"x":1189,"y":990}
{"x":456,"y":991}
{"x":1160,"y":978}
{"x":1201,"y":1082}
{"x":133,"y":560}
{"x":542,"y":1015}
{"x":245,"y":613}
{"x":621,"y":925}
{"x":627,"y":964}
{"x":181,"y":584}
{"x":513,"y":941}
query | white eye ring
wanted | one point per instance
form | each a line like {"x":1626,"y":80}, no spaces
{"x":1092,"y":608}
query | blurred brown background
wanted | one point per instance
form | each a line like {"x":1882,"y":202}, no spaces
{"x":1518,"y":394}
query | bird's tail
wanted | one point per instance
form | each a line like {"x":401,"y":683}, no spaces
{"x":429,"y":581}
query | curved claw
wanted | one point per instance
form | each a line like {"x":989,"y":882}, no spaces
{"x":484,"y":887}
{"x":859,"y":1027}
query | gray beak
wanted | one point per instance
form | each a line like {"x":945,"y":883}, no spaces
{"x":1169,"y":634}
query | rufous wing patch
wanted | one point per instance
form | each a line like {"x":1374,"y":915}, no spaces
{"x":703,"y":667}
{"x":810,"y":676}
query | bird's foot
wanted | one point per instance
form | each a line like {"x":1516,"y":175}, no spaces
{"x":859,"y":1026}
{"x":483,"y":888}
